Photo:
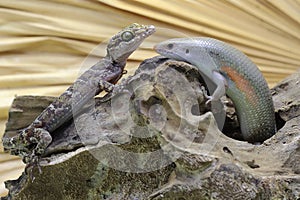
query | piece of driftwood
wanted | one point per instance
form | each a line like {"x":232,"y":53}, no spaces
{"x":154,"y":138}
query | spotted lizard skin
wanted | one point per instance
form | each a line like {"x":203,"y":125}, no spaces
{"x":31,"y":142}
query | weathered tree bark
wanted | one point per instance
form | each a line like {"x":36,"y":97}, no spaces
{"x":155,"y":138}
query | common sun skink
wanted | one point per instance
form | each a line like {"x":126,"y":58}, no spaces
{"x":233,"y":73}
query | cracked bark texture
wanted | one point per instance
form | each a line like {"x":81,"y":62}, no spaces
{"x":155,"y":138}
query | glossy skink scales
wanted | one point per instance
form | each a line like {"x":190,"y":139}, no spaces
{"x":232,"y":72}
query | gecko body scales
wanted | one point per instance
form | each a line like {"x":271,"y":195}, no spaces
{"x":31,"y":142}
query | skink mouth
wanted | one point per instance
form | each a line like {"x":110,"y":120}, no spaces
{"x":155,"y":48}
{"x":166,"y":52}
{"x":161,"y":51}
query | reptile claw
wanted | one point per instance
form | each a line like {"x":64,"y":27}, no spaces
{"x":204,"y":91}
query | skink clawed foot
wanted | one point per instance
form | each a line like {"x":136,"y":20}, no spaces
{"x":210,"y":98}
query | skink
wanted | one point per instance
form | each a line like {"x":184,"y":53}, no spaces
{"x":233,"y":73}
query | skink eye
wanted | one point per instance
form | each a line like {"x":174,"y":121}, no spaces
{"x":170,"y":46}
{"x":127,"y":36}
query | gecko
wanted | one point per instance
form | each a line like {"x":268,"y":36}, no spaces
{"x":232,"y":73}
{"x":30,"y":143}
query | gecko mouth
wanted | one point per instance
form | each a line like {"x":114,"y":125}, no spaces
{"x":147,"y":31}
{"x":150,"y":30}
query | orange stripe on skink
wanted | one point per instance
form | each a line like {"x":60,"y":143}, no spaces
{"x":241,"y":83}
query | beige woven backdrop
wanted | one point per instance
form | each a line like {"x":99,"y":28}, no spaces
{"x":43,"y":43}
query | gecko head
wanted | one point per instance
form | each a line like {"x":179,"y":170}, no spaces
{"x":124,"y":43}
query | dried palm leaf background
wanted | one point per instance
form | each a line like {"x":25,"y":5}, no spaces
{"x":43,"y":43}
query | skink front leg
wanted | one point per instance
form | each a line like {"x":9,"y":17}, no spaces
{"x":220,"y":91}
{"x":217,"y":106}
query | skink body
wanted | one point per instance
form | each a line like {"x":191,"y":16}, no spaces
{"x":233,"y":73}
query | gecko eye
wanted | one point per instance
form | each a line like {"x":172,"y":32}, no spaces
{"x":127,"y":36}
{"x":187,"y":51}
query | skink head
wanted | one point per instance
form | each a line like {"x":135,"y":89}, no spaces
{"x":125,"y":42}
{"x":178,"y":48}
{"x":191,"y":50}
